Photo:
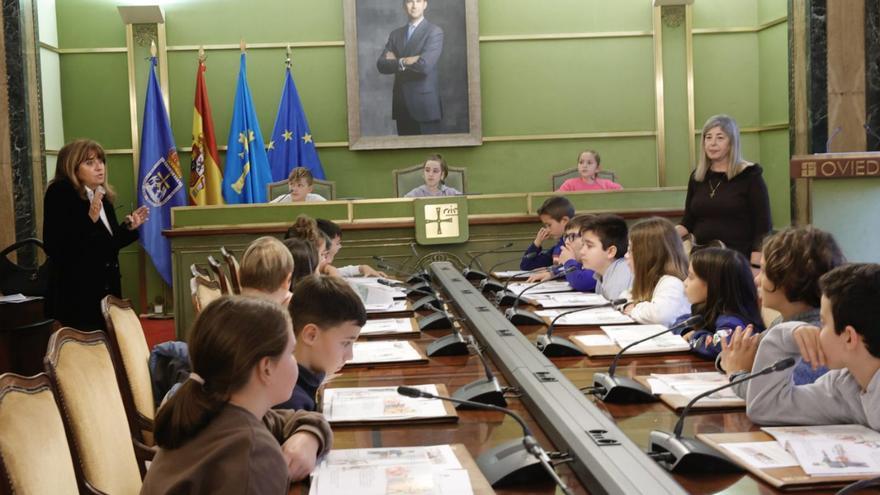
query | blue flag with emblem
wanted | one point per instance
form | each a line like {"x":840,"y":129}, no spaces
{"x":292,"y":144}
{"x":247,"y":168}
{"x":160,"y":181}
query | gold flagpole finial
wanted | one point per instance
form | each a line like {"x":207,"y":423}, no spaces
{"x":287,"y":61}
{"x":153,"y":48}
{"x":243,"y":46}
{"x":202,"y":56}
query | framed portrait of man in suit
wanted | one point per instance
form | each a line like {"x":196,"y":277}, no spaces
{"x":412,"y":73}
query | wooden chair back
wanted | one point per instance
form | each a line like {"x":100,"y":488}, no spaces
{"x":81,"y":369}
{"x":233,"y":267}
{"x":326,"y":188}
{"x":217,"y":270}
{"x":34,"y":454}
{"x":203,"y":292}
{"x":131,"y":351}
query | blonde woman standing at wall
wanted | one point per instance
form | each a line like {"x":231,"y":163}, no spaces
{"x":726,"y":198}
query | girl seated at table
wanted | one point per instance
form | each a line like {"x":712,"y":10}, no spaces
{"x":588,"y":178}
{"x":218,"y":433}
{"x":719,"y":287}
{"x":659,"y":265}
{"x":435,"y":171}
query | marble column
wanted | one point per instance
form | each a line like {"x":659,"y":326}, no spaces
{"x":818,"y":85}
{"x":872,"y":75}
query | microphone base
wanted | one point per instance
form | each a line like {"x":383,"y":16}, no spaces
{"x":523,"y":317}
{"x":558,"y":347}
{"x":424,"y":302}
{"x":434,"y":321}
{"x":484,"y":391}
{"x":418,"y":293}
{"x":417,"y":278}
{"x":471,"y":274}
{"x":688,"y":455}
{"x":621,"y":389}
{"x":491,"y":285}
{"x":450,"y":345}
{"x":510,"y":463}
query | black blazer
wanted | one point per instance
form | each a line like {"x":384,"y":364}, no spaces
{"x":83,"y":256}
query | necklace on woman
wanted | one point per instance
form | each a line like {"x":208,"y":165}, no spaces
{"x":713,"y":188}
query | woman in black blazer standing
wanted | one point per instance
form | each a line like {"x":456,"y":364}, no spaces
{"x":82,"y":236}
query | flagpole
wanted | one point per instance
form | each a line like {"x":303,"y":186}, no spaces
{"x":287,"y":61}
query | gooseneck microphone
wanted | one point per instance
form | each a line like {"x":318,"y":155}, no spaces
{"x":621,"y":389}
{"x":483,"y":390}
{"x":504,"y":297}
{"x":682,"y":454}
{"x":503,"y":464}
{"x":472,"y":274}
{"x":449,"y":345}
{"x":551,"y":346}
{"x":526,"y":317}
{"x":493,"y":285}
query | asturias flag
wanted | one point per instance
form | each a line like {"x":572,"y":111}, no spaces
{"x":292,"y":144}
{"x":160,"y":181}
{"x":205,"y":175}
{"x":247,"y":167}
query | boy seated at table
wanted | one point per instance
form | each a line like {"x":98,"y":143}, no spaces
{"x":848,"y":343}
{"x":604,"y":242}
{"x":327,"y":318}
{"x":266,"y":270}
{"x":334,"y":233}
{"x":554,"y":215}
{"x":301,"y":184}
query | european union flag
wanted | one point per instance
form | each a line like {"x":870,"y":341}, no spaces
{"x":292,"y":144}
{"x":247,"y":167}
{"x":160,"y":181}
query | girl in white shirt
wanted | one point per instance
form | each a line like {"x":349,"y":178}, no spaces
{"x":659,"y":265}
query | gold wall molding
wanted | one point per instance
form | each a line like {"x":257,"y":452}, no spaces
{"x":566,"y":136}
{"x":75,"y":51}
{"x":564,"y":36}
{"x":47,"y":46}
{"x":255,"y":46}
{"x":781,"y":126}
{"x":742,"y":29}
{"x":659,"y":105}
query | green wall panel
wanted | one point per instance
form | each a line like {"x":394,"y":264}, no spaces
{"x":94,"y":98}
{"x":562,"y":16}
{"x":611,"y":83}
{"x":724,"y":80}
{"x":769,"y":10}
{"x":725,"y":13}
{"x":773,"y":69}
{"x":89,"y":24}
{"x":678,"y":163}
{"x":774,"y":159}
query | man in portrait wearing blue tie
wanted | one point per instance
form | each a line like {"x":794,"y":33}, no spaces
{"x":411,"y":54}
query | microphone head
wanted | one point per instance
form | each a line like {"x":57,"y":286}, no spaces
{"x":694,"y":321}
{"x":529,"y":256}
{"x":784,"y":364}
{"x":618,"y":301}
{"x":509,"y":244}
{"x":409,"y":392}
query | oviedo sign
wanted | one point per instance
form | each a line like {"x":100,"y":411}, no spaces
{"x":836,"y":165}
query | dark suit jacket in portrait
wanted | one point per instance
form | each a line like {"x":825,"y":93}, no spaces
{"x":83,"y":256}
{"x":416,"y":89}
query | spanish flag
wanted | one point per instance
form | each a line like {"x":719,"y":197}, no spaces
{"x":205,"y":174}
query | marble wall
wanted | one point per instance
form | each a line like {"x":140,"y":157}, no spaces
{"x":872,"y":74}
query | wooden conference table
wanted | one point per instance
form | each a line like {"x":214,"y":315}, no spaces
{"x":482,"y":430}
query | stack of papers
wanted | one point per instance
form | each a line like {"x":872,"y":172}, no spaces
{"x":566,"y":300}
{"x":384,"y":351}
{"x":431,"y":470}
{"x":595,"y":316}
{"x":379,"y":404}
{"x":397,"y":292}
{"x":836,"y":450}
{"x":691,"y":385}
{"x":544,"y":288}
{"x":623,"y":335}
{"x":395,"y":306}
{"x":511,"y":274}
{"x":384,"y":326}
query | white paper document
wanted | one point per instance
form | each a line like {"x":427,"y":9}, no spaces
{"x":401,"y":471}
{"x":379,"y":404}
{"x":384,"y":351}
{"x":396,"y":306}
{"x":387,"y":325}
{"x":544,"y":288}
{"x":761,"y":455}
{"x":596,"y":316}
{"x":397,"y":292}
{"x":593,"y":340}
{"x":692,"y":384}
{"x":831,"y":450}
{"x":623,"y":335}
{"x":511,"y":274}
{"x":566,"y":299}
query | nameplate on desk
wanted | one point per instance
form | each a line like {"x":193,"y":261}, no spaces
{"x":441,"y":220}
{"x":835,"y":166}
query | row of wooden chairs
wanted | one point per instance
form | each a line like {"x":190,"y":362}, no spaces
{"x":85,"y":425}
{"x":209,"y":284}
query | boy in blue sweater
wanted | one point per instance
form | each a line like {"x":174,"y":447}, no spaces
{"x":554,"y":214}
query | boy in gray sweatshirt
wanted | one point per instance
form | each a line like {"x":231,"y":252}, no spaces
{"x":848,"y":343}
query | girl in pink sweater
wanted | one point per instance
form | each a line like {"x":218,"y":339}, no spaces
{"x":588,"y":168}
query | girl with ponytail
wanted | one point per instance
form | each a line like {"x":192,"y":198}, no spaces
{"x":218,"y":433}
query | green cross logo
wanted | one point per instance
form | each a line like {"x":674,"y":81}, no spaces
{"x":439,"y":221}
